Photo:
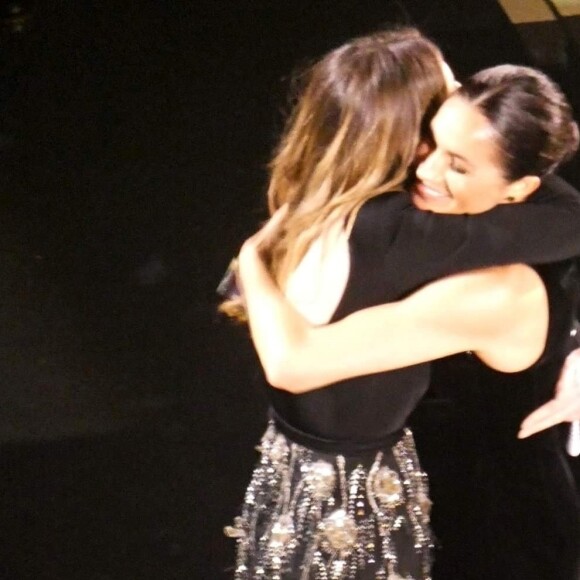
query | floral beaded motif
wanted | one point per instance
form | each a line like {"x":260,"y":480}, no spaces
{"x":305,"y":515}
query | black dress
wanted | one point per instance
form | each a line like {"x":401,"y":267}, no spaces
{"x":503,"y":508}
{"x":338,"y":492}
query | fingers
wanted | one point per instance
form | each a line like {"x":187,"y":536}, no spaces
{"x":559,"y":410}
{"x":264,"y":235}
{"x":564,"y":407}
{"x":552,"y":413}
{"x":573,"y":443}
{"x":251,"y":249}
{"x":251,"y":256}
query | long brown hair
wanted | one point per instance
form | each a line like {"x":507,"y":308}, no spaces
{"x":352,"y":135}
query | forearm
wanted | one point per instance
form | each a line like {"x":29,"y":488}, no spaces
{"x":277,"y":330}
{"x":544,"y":229}
{"x":298,"y":356}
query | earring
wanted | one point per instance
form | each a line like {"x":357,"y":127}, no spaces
{"x":510,"y":198}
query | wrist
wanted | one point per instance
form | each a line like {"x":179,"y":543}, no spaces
{"x":247,"y":258}
{"x":251,"y":268}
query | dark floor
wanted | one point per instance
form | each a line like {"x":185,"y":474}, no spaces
{"x":133,"y":141}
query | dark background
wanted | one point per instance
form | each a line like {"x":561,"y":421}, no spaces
{"x":133,"y":142}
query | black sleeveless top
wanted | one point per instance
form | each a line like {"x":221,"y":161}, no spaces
{"x":510,"y":397}
{"x":394,"y":249}
{"x":503,"y":507}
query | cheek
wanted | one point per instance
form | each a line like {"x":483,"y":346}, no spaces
{"x":459,"y":185}
{"x":475,"y":191}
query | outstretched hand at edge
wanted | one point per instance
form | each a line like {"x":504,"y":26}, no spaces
{"x":564,"y":407}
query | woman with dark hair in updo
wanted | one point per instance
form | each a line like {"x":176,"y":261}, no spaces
{"x":338,"y":492}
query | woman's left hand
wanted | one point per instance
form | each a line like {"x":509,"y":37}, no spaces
{"x":564,"y":407}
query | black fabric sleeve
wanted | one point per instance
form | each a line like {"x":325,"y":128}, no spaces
{"x":546,"y":228}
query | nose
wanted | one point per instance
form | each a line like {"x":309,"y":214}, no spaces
{"x":432,"y":167}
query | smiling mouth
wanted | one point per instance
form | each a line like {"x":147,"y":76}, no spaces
{"x":427,"y":192}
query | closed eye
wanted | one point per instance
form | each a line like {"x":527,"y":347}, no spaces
{"x":457,"y":167}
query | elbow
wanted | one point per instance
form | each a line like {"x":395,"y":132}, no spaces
{"x":288,"y":363}
{"x":285,"y":375}
{"x":283,"y":379}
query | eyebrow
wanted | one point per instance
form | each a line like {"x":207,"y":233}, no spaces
{"x":456,"y":155}
{"x":450,"y":153}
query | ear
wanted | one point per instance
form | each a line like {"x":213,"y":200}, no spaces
{"x":423,"y":151}
{"x":521,"y":189}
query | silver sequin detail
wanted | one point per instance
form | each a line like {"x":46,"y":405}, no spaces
{"x":340,"y":531}
{"x":322,"y":477}
{"x":387,"y":487}
{"x":282,"y":531}
{"x":311,"y":517}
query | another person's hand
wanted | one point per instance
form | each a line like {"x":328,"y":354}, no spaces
{"x":565,"y":406}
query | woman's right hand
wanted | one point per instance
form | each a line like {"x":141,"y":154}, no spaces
{"x":251,"y":252}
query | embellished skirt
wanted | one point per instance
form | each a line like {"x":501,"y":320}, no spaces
{"x":310,"y":515}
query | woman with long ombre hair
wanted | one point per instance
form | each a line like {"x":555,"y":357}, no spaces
{"x":338,"y":491}
{"x":352,"y":135}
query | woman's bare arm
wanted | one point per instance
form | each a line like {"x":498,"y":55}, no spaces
{"x":463,"y":312}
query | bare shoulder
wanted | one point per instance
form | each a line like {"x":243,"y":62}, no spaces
{"x":517,"y":324}
{"x":483,"y":302}
{"x":519,"y":286}
{"x":503,"y":285}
